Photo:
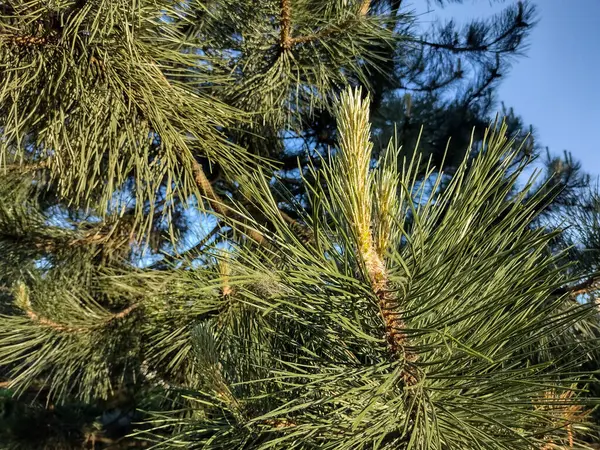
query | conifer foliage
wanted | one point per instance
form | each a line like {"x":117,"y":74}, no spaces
{"x":391,"y":314}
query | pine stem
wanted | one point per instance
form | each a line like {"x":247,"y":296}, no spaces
{"x":288,"y":41}
{"x":356,"y":182}
{"x":286,"y":24}
{"x":22,"y":300}
{"x":217,"y":204}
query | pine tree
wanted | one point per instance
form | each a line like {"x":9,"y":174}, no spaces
{"x":577,"y":212}
{"x":438,"y":82}
{"x":387,"y":313}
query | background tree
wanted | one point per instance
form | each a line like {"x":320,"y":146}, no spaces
{"x":281,"y":73}
{"x":121,"y":125}
{"x":441,"y":79}
{"x":429,"y":323}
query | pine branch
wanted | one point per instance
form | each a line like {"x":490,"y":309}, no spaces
{"x":355,"y":154}
{"x":586,"y":286}
{"x":217,"y":204}
{"x":97,"y":236}
{"x":206,"y":188}
{"x":31,"y":167}
{"x":223,"y":210}
{"x":23,"y":301}
{"x":288,"y":41}
{"x":477,"y":48}
{"x":494,"y":74}
{"x":286,"y":33}
{"x":199,"y":246}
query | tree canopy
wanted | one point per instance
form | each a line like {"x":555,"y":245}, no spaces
{"x":352,"y":287}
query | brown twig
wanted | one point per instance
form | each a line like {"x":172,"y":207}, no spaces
{"x":583,"y":287}
{"x":26,"y":167}
{"x":69,"y":329}
{"x":206,"y":187}
{"x":396,"y":337}
{"x":31,"y":40}
{"x":22,"y":298}
{"x":364,"y":7}
{"x":586,"y":290}
{"x":286,"y":24}
{"x":35,"y":386}
{"x":280,"y":423}
{"x":123,"y":313}
{"x":163,"y":263}
{"x":51,"y":324}
{"x":217,"y":204}
{"x":322,"y":34}
{"x":568,"y":413}
{"x":302,"y":231}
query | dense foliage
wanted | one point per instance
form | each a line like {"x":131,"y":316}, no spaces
{"x":203,"y":244}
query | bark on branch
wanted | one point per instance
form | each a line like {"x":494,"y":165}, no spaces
{"x":286,"y":25}
{"x":583,"y":287}
{"x":217,"y":204}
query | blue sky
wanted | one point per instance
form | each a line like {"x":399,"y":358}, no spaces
{"x":556,"y":87}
